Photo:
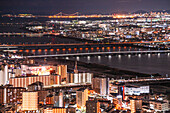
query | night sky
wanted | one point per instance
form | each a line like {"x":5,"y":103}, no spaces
{"x":82,"y":6}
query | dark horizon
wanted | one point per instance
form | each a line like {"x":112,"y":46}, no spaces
{"x":84,"y":7}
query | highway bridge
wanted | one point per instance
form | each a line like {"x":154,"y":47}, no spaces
{"x":101,"y":53}
{"x":74,"y":45}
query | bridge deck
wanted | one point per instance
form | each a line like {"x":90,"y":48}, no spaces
{"x":100,"y":53}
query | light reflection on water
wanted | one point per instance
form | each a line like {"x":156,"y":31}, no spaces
{"x":144,"y":63}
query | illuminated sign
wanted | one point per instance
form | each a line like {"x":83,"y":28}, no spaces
{"x":136,"y":90}
{"x":41,"y":70}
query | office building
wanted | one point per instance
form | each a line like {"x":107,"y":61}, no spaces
{"x":159,"y":106}
{"x":79,"y":78}
{"x":30,"y":101}
{"x":135,"y":105}
{"x":59,"y":99}
{"x":136,"y":90}
{"x":38,"y":87}
{"x":14,"y":94}
{"x":25,"y":81}
{"x":11,"y":95}
{"x":4,"y":75}
{"x":92,"y":106}
{"x":62,"y":70}
{"x":101,"y":85}
{"x":81,"y":97}
{"x":49,"y":99}
{"x":1,"y":94}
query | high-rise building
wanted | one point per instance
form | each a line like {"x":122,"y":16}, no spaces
{"x":38,"y":86}
{"x":55,"y":79}
{"x":70,"y":78}
{"x":4,"y":75}
{"x":62,"y":70}
{"x":30,"y":101}
{"x":25,"y":81}
{"x":41,"y":96}
{"x":1,"y":94}
{"x":135,"y":105}
{"x":79,"y":78}
{"x":92,"y":106}
{"x":159,"y":106}
{"x":14,"y":94}
{"x":2,"y":81}
{"x":50,"y":99}
{"x":101,"y":85}
{"x":11,"y":95}
{"x":58,"y":99}
{"x":136,"y":90}
{"x":81,"y":97}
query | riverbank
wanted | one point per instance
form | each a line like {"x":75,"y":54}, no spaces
{"x":98,"y":69}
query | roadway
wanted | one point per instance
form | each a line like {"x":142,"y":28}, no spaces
{"x":139,"y":42}
{"x":100,"y":53}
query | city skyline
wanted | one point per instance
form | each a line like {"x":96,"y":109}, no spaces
{"x":75,"y":56}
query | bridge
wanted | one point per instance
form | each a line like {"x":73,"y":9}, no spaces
{"x":100,"y":53}
{"x":79,"y":44}
{"x":77,"y":15}
{"x":156,"y":79}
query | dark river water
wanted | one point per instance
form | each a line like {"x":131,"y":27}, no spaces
{"x":145,"y":63}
